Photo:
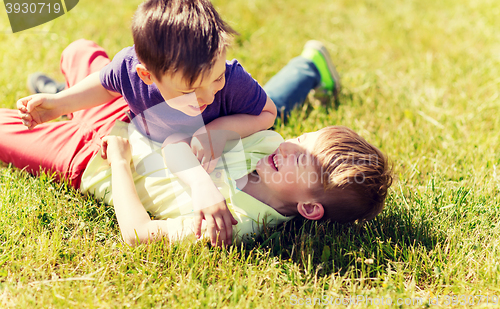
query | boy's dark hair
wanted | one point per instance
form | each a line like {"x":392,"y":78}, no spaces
{"x":355,"y":175}
{"x":179,"y":35}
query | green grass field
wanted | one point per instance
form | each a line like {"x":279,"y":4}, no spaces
{"x":421,"y":81}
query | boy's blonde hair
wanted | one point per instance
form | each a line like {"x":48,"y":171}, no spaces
{"x":355,"y":175}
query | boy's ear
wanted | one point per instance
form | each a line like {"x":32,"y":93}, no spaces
{"x":144,"y":74}
{"x":311,"y":210}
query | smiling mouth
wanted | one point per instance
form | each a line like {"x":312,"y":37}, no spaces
{"x":273,"y":161}
{"x":198,"y":108}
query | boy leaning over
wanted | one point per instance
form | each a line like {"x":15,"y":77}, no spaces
{"x":178,"y":59}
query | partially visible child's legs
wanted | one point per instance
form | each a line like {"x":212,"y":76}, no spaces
{"x":291,"y":85}
{"x":49,"y":146}
{"x":78,"y":60}
{"x":64,"y":147}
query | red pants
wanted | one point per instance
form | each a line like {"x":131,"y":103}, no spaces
{"x":64,"y":147}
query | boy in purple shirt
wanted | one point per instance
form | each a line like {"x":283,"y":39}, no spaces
{"x":240,"y":94}
{"x":175,"y":81}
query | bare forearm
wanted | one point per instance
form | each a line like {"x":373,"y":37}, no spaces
{"x":245,"y":124}
{"x":181,"y":162}
{"x":130,"y":213}
{"x":86,"y":94}
{"x":251,"y":123}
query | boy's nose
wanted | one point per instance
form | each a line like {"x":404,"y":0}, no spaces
{"x":205,"y":97}
{"x":287,"y":149}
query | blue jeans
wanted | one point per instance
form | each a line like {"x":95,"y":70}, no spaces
{"x":291,"y":85}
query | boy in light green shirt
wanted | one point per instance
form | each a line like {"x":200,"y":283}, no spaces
{"x":331,"y":174}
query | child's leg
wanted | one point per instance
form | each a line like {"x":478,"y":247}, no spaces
{"x":311,"y":69}
{"x":50,"y":146}
{"x":80,"y":59}
{"x":64,"y":147}
{"x":291,"y":85}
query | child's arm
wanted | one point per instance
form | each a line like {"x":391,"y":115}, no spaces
{"x":243,"y":124}
{"x":135,"y":224}
{"x":208,"y":202}
{"x":43,"y":107}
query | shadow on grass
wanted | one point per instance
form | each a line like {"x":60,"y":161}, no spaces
{"x":317,"y":99}
{"x":356,"y":250}
{"x":364,"y":250}
{"x":54,"y":206}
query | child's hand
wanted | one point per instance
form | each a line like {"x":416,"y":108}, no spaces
{"x":37,"y":109}
{"x":200,"y":145}
{"x":209,"y":204}
{"x":116,"y":148}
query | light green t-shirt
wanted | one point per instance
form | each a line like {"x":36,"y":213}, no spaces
{"x":164,"y":196}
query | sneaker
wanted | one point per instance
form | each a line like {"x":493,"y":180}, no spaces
{"x":41,"y":83}
{"x":318,"y":54}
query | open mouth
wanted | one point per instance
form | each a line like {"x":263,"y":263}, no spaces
{"x":273,"y":161}
{"x":198,"y":108}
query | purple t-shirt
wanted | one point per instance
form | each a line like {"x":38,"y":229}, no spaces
{"x":155,"y":118}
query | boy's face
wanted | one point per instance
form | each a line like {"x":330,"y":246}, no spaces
{"x":200,"y":94}
{"x":291,"y":171}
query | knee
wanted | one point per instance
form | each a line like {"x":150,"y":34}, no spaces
{"x":82,"y":52}
{"x":79,"y":45}
{"x":80,"y":49}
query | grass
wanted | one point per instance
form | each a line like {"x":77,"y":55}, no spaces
{"x":421,"y":81}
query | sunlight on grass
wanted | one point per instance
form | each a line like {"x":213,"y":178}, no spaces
{"x":421,"y":81}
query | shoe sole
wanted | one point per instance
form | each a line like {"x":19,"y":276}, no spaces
{"x":317,"y":45}
{"x":31,"y":82}
{"x":32,"y":87}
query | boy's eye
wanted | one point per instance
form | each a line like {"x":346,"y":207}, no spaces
{"x":220,"y":78}
{"x":304,"y":159}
